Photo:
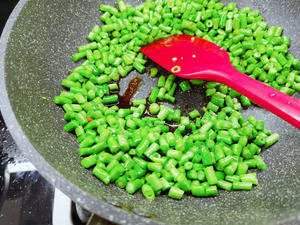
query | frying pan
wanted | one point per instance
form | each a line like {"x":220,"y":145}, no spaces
{"x":35,"y":55}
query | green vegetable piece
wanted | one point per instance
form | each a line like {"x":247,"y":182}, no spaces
{"x":194,"y":114}
{"x":242,"y":186}
{"x":153,"y":72}
{"x":272,"y":139}
{"x":133,"y":185}
{"x":89,"y":161}
{"x":210,"y":175}
{"x":154,"y":108}
{"x":175,"y":193}
{"x":148,"y":192}
{"x":185,"y":86}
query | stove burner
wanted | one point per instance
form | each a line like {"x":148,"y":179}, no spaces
{"x":26,"y":197}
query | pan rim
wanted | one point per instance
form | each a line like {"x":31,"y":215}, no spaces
{"x":101,"y":208}
{"x":63,"y":184}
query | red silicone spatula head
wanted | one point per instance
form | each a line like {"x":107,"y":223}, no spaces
{"x":186,"y":55}
{"x":195,"y":58}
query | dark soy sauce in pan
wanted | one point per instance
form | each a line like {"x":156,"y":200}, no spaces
{"x":133,"y":86}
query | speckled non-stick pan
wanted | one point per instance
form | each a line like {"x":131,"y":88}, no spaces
{"x":35,"y":55}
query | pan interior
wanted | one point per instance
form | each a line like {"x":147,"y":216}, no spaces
{"x":38,"y":57}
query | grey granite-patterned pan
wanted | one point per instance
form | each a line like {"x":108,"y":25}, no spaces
{"x":35,"y":55}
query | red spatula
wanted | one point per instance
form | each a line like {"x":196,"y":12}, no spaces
{"x":195,"y":58}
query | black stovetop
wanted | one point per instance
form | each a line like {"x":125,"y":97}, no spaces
{"x":26,"y":198}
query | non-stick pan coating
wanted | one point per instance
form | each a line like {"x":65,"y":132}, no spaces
{"x":35,"y":55}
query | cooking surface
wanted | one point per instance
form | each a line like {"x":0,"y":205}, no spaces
{"x":25,"y":196}
{"x":44,"y":52}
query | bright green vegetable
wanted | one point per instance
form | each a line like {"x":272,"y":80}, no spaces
{"x":273,"y":138}
{"x":194,"y":114}
{"x":224,"y":185}
{"x":242,"y":186}
{"x":138,"y":102}
{"x":89,"y":161}
{"x":134,"y":185}
{"x":154,"y":108}
{"x":210,"y":175}
{"x":185,"y":86}
{"x":136,"y":150}
{"x":148,"y":192}
{"x":154,"y":94}
{"x":175,"y":193}
{"x":153,"y":72}
{"x":110,"y":99}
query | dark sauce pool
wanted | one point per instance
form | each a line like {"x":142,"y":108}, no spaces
{"x":133,"y":86}
{"x":185,"y":101}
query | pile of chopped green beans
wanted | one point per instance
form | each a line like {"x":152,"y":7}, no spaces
{"x":204,"y":153}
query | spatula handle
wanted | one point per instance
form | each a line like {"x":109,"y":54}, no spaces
{"x":282,"y":105}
